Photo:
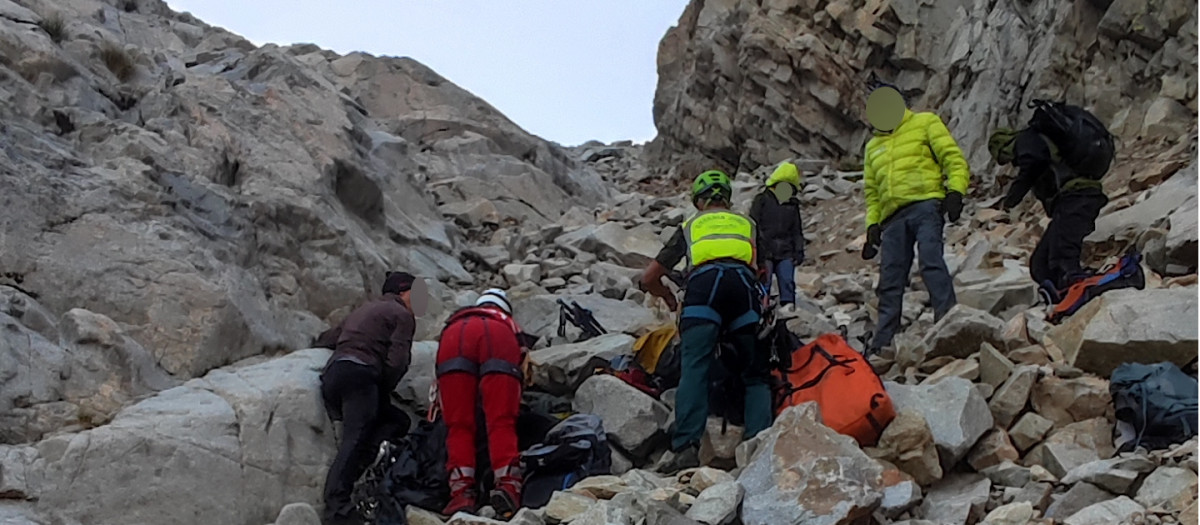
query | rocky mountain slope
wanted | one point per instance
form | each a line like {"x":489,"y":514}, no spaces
{"x":181,"y":208}
{"x":219,"y":200}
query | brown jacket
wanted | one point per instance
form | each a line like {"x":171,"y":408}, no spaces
{"x":378,"y":334}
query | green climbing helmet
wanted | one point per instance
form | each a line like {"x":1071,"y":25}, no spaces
{"x":712,"y":184}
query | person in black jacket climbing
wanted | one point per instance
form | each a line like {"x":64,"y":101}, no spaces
{"x":776,"y":211}
{"x":1073,"y":202}
{"x":371,"y":353}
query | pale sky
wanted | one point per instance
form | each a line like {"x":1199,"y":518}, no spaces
{"x":566,"y":70}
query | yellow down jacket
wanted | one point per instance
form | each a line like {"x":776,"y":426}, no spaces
{"x":905,"y":165}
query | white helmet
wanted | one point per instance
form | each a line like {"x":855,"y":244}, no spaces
{"x":497,"y":297}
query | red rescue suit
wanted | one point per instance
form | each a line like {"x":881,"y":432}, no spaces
{"x":479,"y":361}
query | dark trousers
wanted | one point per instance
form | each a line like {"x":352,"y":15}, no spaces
{"x":921,"y":224}
{"x":1056,"y":258}
{"x":352,"y":393}
{"x":785,"y":271}
{"x":731,"y":297}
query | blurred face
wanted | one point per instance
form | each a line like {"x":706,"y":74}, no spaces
{"x":783,"y":191}
{"x":417,"y":298}
{"x":885,"y":108}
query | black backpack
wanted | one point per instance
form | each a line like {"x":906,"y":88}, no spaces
{"x":411,"y":471}
{"x":1084,"y":144}
{"x":1155,"y":406}
{"x":575,"y":448}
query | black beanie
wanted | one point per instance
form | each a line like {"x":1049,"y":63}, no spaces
{"x":398,"y":282}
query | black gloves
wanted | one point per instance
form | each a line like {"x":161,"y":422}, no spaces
{"x":952,"y":205}
{"x":874,"y":237}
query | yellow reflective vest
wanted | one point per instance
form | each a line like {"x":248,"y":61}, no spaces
{"x":905,"y":165}
{"x":719,"y":234}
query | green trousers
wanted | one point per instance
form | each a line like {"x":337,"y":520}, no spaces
{"x":697,"y":348}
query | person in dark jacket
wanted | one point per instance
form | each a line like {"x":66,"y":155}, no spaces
{"x":1072,"y":202}
{"x":776,"y":211}
{"x":371,"y":355}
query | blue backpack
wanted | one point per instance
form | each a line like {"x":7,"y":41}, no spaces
{"x":1155,"y":406}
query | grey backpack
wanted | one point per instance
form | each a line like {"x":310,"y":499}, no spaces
{"x":1155,"y":406}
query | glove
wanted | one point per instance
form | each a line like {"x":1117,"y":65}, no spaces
{"x":952,"y":205}
{"x":874,"y":235}
{"x":869,"y":251}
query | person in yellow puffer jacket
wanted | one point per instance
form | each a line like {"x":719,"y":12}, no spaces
{"x":914,"y":174}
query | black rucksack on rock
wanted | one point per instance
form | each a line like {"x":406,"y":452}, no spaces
{"x":1155,"y":406}
{"x":575,"y":448}
{"x":411,"y":471}
{"x":1084,"y":143}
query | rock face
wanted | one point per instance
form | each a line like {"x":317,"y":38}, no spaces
{"x":955,"y":411}
{"x":790,"y":479}
{"x":1146,"y":326}
{"x":746,"y":83}
{"x":224,"y":199}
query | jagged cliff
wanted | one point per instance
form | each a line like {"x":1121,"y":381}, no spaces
{"x":748,"y":83}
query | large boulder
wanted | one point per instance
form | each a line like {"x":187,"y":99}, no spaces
{"x":1168,"y":488}
{"x":1010,"y":398}
{"x":90,"y":371}
{"x":556,"y":369}
{"x":956,"y":412}
{"x":1140,"y":326}
{"x":961,"y":332}
{"x":803,"y":472}
{"x":538,"y":314}
{"x":633,"y":419}
{"x":959,"y":498}
{"x":414,"y":387}
{"x":610,"y":241}
{"x":1115,"y":475}
{"x":995,"y":290}
{"x":1170,"y":206}
{"x":1073,"y":445}
{"x":241,"y":442}
{"x":1065,"y":401}
{"x":612,"y":280}
{"x":908,"y":443}
{"x":1112,"y":512}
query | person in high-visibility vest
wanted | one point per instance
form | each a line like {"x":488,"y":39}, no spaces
{"x":721,"y":299}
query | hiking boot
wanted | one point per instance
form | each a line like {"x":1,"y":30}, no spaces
{"x":506,"y":496}
{"x":463,"y":495}
{"x":674,"y":461}
{"x":787,"y":310}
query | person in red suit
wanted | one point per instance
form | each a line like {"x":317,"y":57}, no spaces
{"x":479,"y":361}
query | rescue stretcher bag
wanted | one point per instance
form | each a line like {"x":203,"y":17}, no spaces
{"x":851,"y":396}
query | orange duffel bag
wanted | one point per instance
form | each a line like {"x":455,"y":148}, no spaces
{"x":851,"y":395}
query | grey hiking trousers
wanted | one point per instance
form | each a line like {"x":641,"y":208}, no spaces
{"x":921,"y":224}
